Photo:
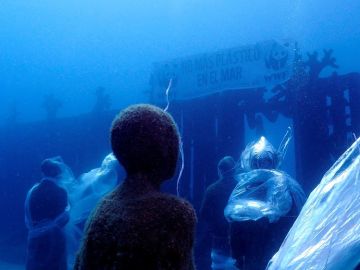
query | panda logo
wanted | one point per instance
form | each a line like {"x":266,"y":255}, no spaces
{"x":278,"y":57}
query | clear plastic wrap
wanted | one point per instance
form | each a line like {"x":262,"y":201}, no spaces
{"x":263,"y":193}
{"x":262,"y":189}
{"x":84,"y":194}
{"x":326,"y":235}
{"x":37,"y":229}
{"x":259,"y":154}
{"x":91,"y":186}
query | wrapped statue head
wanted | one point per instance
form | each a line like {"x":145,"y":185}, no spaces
{"x":259,"y":155}
{"x":55,"y":168}
{"x":52,"y":167}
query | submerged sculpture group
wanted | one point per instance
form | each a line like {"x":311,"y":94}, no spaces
{"x":136,"y":226}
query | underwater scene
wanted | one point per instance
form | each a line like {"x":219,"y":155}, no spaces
{"x":176,"y":135}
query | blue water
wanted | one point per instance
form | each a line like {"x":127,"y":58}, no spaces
{"x":66,"y":50}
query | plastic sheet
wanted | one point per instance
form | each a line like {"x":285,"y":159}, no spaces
{"x":37,"y":229}
{"x":263,"y":193}
{"x":90,"y":187}
{"x":326,"y":235}
{"x":261,"y":154}
{"x":84,"y":194}
{"x":66,"y":178}
{"x":257,"y":153}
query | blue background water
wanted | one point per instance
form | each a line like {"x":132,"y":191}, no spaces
{"x":69,"y":48}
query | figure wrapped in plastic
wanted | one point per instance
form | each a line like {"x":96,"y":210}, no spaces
{"x":326,"y":235}
{"x":85,"y":193}
{"x":263,"y":205}
{"x":46,"y":214}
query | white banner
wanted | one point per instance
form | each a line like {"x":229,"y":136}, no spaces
{"x":264,"y":64}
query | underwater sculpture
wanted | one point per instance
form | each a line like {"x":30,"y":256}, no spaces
{"x":84,"y":194}
{"x":263,"y":205}
{"x":46,"y":214}
{"x":51,"y":104}
{"x":136,"y":226}
{"x":212,"y":214}
{"x":102,"y":102}
{"x":326,"y":235}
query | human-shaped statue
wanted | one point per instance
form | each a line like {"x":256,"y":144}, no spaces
{"x":46,"y":214}
{"x":263,"y":205}
{"x":102,"y":102}
{"x":51,"y":104}
{"x":136,"y":226}
{"x":212,"y":214}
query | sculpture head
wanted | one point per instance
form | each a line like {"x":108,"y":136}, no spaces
{"x":145,"y":140}
{"x":226,"y":167}
{"x":260,"y":155}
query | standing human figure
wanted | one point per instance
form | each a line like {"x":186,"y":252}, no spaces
{"x":262,"y":207}
{"x":46,"y":214}
{"x":212,"y":214}
{"x":136,"y":226}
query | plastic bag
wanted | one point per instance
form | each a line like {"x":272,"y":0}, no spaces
{"x":326,"y":235}
{"x":84,"y":195}
{"x":263,"y":193}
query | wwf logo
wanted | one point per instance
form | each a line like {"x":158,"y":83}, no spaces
{"x":277,"y":57}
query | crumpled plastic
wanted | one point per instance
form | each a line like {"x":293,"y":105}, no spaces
{"x":90,"y":187}
{"x":263,"y":193}
{"x":261,"y":154}
{"x":84,"y":194}
{"x":326,"y":234}
{"x":259,"y":150}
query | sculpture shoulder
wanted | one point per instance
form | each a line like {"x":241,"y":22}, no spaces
{"x":176,"y":207}
{"x":47,"y":189}
{"x":157,"y":226}
{"x":155,"y":208}
{"x":212,"y":192}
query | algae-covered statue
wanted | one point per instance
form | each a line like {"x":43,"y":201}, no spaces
{"x":136,"y":226}
{"x":263,"y":205}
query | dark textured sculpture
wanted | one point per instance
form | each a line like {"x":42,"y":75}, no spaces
{"x":136,"y":226}
{"x":212,"y":214}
